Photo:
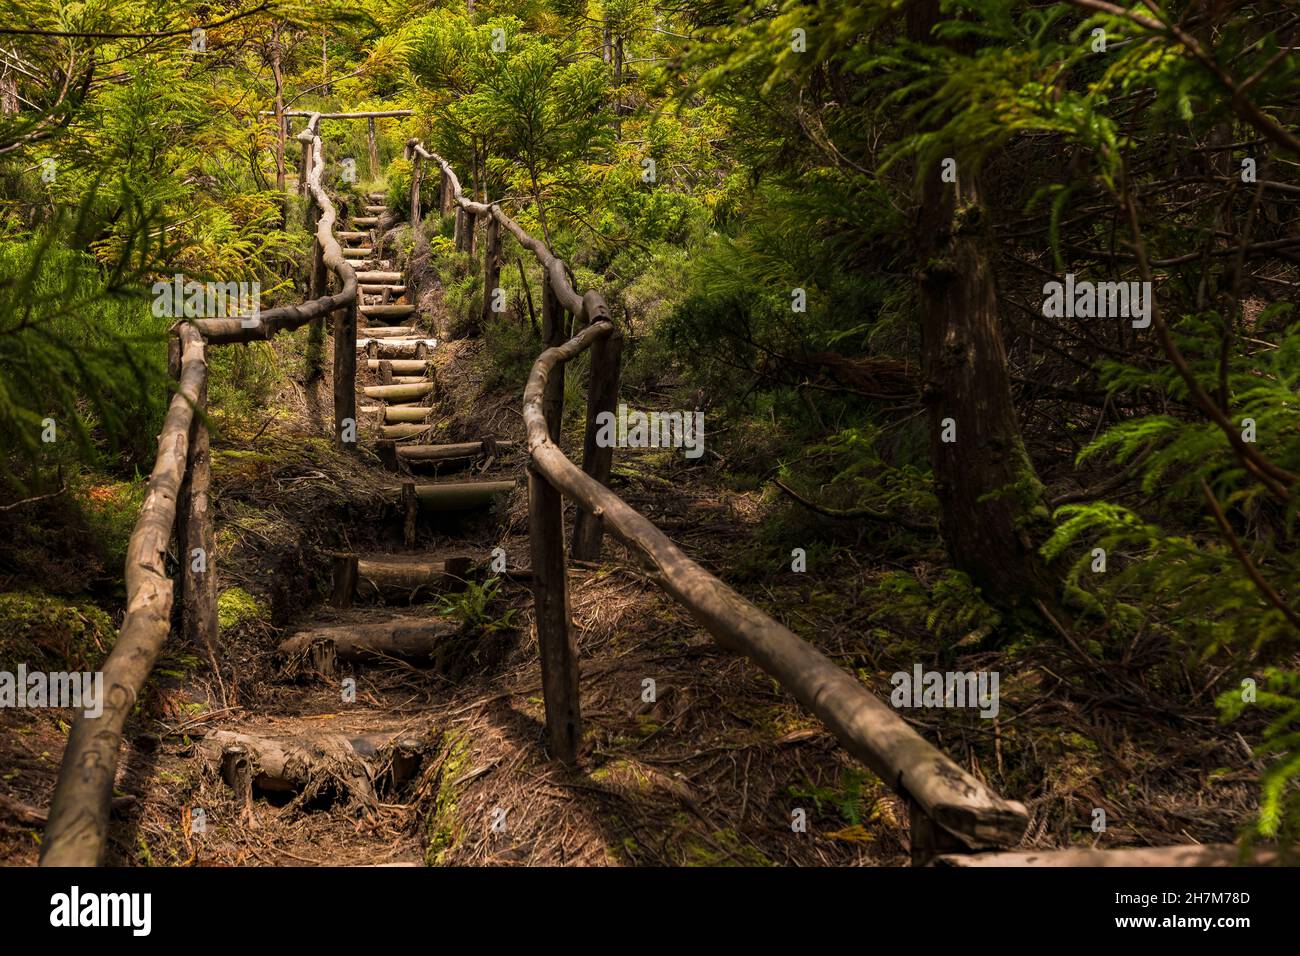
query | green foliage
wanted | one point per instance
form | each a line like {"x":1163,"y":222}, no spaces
{"x":951,"y":608}
{"x":476,"y":608}
{"x":1278,"y":817}
{"x":81,"y":349}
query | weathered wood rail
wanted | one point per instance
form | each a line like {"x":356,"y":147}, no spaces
{"x":77,"y":826}
{"x":950,"y":810}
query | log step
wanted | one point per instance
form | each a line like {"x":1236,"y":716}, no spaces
{"x":408,"y":379}
{"x":365,"y":220}
{"x":400,"y":432}
{"x":398,"y":393}
{"x":397,"y":414}
{"x":388,"y":311}
{"x":430,"y":453}
{"x":377,"y":209}
{"x":385,"y":332}
{"x":377,"y":197}
{"x":358,"y":252}
{"x":369,"y":289}
{"x":399,"y":577}
{"x":410,"y":639}
{"x":399,"y":366}
{"x":378,"y":277}
{"x":462,"y":495}
{"x":348,"y":236}
{"x":397,"y":348}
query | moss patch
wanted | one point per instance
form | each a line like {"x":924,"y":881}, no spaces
{"x":46,"y":632}
{"x":442,"y":818}
{"x":236,"y":606}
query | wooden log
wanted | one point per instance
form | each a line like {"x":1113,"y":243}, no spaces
{"x":398,"y":577}
{"x":78,"y":820}
{"x":400,"y":311}
{"x":408,"y":639}
{"x":348,"y":236}
{"x":345,"y":377}
{"x":402,"y":432}
{"x":335,"y":116}
{"x":395,"y":414}
{"x":491,"y":268}
{"x":198,"y":561}
{"x":412,"y":349}
{"x":1207,"y":854}
{"x":304,"y":165}
{"x":597,"y":461}
{"x":358,"y":252}
{"x":378,"y":209}
{"x":869,"y":728}
{"x":435,"y":453}
{"x":345,"y":580}
{"x":399,"y":393}
{"x":387,"y":452}
{"x":557,"y":648}
{"x":365,"y":220}
{"x":408,"y":379}
{"x":458,"y":231}
{"x":316,"y":330}
{"x":390,"y":332}
{"x":399,"y":366}
{"x":373,"y":277}
{"x":553,"y":316}
{"x":445,"y":195}
{"x":416,"y":170}
{"x":461,"y":496}
{"x":385,"y":372}
{"x":385,"y":289}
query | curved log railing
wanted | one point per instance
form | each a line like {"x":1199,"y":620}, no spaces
{"x":178,"y":499}
{"x":950,"y":810}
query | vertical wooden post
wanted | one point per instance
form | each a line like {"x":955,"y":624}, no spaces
{"x":345,"y":580}
{"x":345,"y":377}
{"x":602,"y":396}
{"x":491,"y":266}
{"x":558,"y":650}
{"x":458,"y":235}
{"x":198,"y":570}
{"x":445,"y":196}
{"x":179,"y":524}
{"x":471,"y":220}
{"x":306,"y":164}
{"x":553,"y":334}
{"x":415,"y":189}
{"x":319,"y":288}
{"x":374,"y":147}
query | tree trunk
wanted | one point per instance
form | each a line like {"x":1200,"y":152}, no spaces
{"x":992,"y":511}
{"x":278,"y":76}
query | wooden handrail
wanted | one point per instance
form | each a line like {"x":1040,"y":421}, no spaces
{"x":77,"y":828}
{"x":951,"y":810}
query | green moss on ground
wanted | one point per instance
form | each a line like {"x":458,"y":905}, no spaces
{"x":441,"y":821}
{"x":47,"y":632}
{"x":235,"y":606}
